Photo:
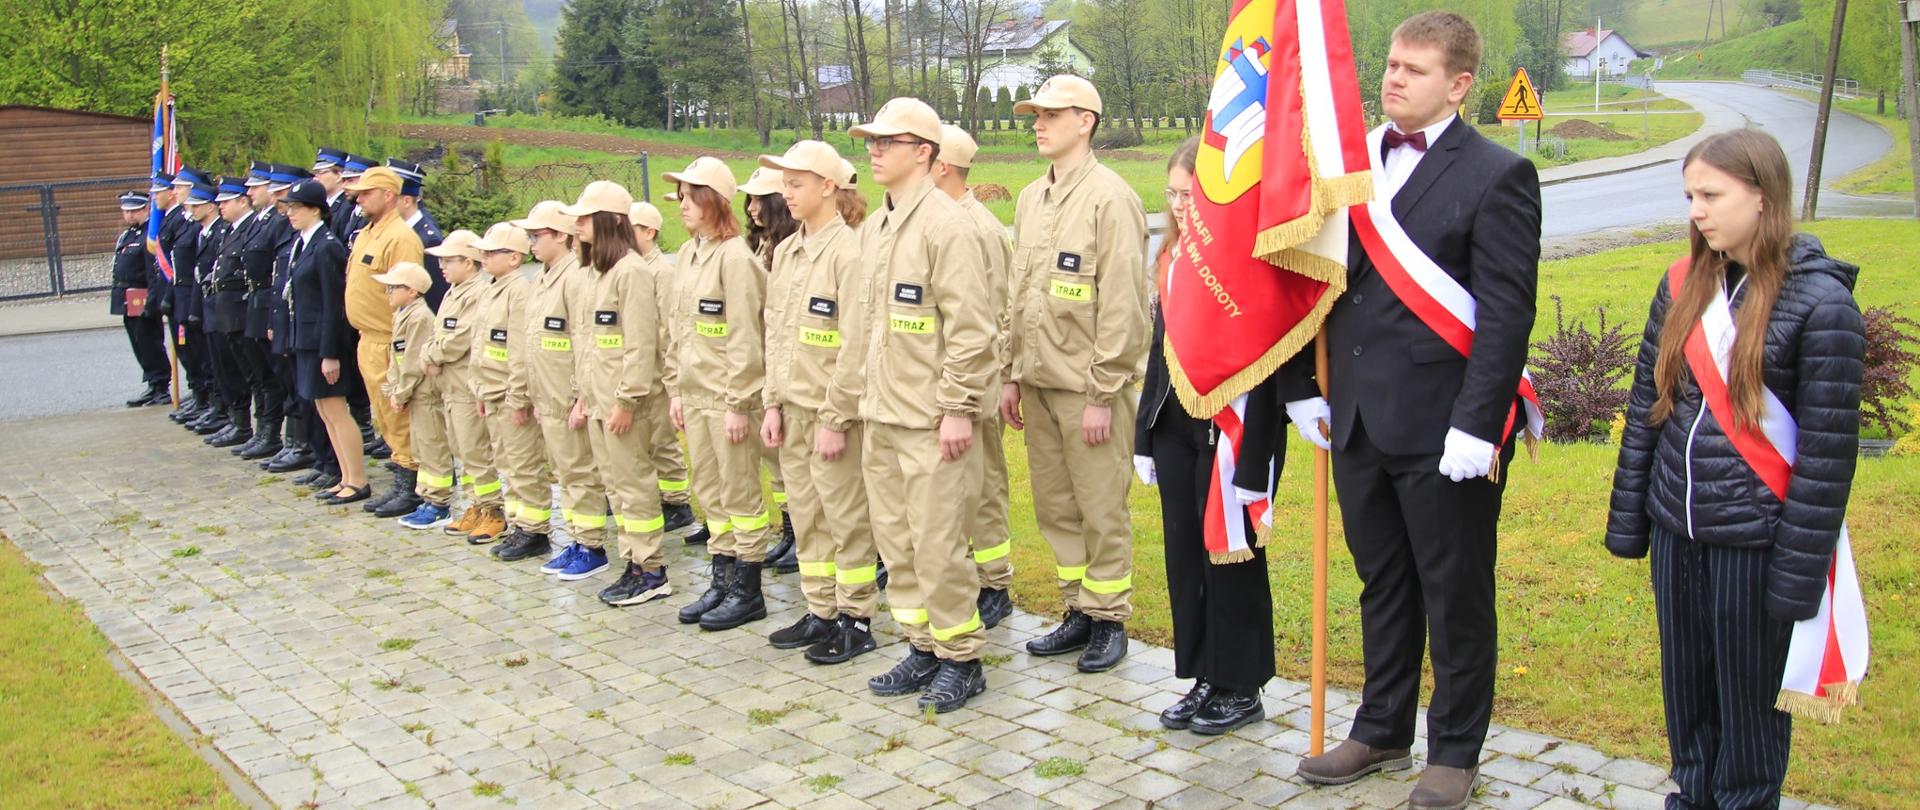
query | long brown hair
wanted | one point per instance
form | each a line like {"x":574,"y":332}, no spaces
{"x":779,"y":224}
{"x":612,"y":240}
{"x":720,"y":220}
{"x":1184,"y":157}
{"x":1754,"y":158}
{"x":852,"y":205}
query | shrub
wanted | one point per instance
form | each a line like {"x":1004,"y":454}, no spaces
{"x":1577,"y":374}
{"x":470,"y":198}
{"x":1889,"y":364}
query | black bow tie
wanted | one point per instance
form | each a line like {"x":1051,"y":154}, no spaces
{"x":1396,"y":139}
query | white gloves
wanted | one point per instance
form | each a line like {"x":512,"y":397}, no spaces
{"x":1465,"y":456}
{"x":1311,"y":416}
{"x":1143,"y":469}
{"x":1248,"y":496}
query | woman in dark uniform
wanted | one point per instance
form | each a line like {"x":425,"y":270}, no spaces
{"x":322,"y":339}
{"x":1222,"y":612}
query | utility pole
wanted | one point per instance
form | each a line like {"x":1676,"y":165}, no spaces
{"x":501,"y":26}
{"x":1809,"y":207}
{"x":1910,"y":87}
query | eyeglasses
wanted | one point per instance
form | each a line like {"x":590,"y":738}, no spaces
{"x":1179,"y":196}
{"x":877,"y":145}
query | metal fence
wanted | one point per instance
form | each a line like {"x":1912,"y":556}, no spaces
{"x":1796,"y":80}
{"x":57,"y":238}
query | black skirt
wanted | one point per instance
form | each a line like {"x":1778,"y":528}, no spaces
{"x":311,"y":385}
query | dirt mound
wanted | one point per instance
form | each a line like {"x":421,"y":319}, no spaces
{"x":991,"y":192}
{"x":1578,"y":129}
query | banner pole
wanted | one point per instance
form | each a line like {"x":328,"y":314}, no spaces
{"x":1321,"y":461}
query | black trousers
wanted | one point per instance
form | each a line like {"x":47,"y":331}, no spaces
{"x":1721,"y":659}
{"x":148,"y":337}
{"x":229,"y":374}
{"x":1424,"y":548}
{"x":192,"y":350}
{"x":1222,"y":614}
{"x":256,"y":362}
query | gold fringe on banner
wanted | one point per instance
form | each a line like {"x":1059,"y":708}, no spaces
{"x":1819,"y":709}
{"x":1230,"y":557}
{"x":1274,"y":244}
{"x":1205,"y":406}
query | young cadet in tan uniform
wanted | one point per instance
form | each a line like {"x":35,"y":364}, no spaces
{"x":987,"y":526}
{"x":501,"y":343}
{"x":559,"y":302}
{"x":1080,"y":333}
{"x":715,"y":373}
{"x":919,"y":364}
{"x":620,"y":374}
{"x":409,"y":389}
{"x":764,"y":184}
{"x":663,"y":448}
{"x":813,"y":271}
{"x":450,"y":361}
{"x":384,"y":242}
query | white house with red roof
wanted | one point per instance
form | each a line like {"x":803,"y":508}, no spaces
{"x":1601,"y":50}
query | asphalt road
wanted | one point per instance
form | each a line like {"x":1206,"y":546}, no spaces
{"x":1652,"y":195}
{"x":67,"y":372}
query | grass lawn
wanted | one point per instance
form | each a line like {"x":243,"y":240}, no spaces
{"x":1617,"y":112}
{"x":1892,"y":173}
{"x":72,"y":732}
{"x":1579,"y":646}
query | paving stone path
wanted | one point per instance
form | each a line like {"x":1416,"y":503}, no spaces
{"x":342,"y":662}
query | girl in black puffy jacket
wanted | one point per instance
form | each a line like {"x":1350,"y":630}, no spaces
{"x":1734,"y":566}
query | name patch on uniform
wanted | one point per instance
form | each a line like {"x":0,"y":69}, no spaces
{"x":449,"y":323}
{"x":1072,"y":291}
{"x":606,"y":317}
{"x":912,"y":324}
{"x":712,"y":330}
{"x":366,"y":258}
{"x":399,"y":346}
{"x":497,"y":335}
{"x":823,"y":307}
{"x":556,"y":344}
{"x":823,"y":338}
{"x":1069,"y":262}
{"x":497,"y":354}
{"x":909,"y":293}
{"x":712,"y":306}
{"x":556,"y":324}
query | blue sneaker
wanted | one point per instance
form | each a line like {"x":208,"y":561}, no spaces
{"x":586,"y":562}
{"x":559,"y":562}
{"x":427,"y":516}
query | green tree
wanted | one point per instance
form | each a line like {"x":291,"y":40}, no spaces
{"x":693,"y":45}
{"x":1002,"y":108}
{"x":984,"y":106}
{"x":1869,"y":44}
{"x":600,"y":69}
{"x":497,"y":33}
{"x":1115,"y":33}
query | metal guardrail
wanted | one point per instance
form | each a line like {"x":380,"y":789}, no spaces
{"x":1797,"y":80}
{"x":57,"y":238}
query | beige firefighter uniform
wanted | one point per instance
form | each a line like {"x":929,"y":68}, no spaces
{"x":559,"y":304}
{"x":379,"y":247}
{"x":663,"y":447}
{"x":452,"y":352}
{"x":500,"y":346}
{"x":987,"y":528}
{"x":1079,"y":337}
{"x":918,"y":338}
{"x":834,"y":539}
{"x":419,"y":394}
{"x":718,"y":366}
{"x":622,"y":371}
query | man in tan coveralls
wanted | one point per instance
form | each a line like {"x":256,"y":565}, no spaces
{"x":383,"y":243}
{"x":987,"y":525}
{"x":1080,"y":333}
{"x":917,"y":373}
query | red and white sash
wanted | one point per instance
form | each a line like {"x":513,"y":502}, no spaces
{"x":1827,"y":657}
{"x":1224,"y":533}
{"x":1434,"y":297}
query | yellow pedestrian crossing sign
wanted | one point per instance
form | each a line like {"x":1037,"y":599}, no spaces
{"x":1521,"y":102}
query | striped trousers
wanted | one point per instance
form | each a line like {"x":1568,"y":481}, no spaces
{"x":1721,"y":659}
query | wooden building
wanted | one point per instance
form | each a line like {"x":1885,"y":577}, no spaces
{"x":80,"y":153}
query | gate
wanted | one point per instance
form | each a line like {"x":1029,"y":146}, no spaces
{"x":57,"y":238}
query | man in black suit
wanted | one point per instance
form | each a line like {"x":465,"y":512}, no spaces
{"x":134,"y":277}
{"x":1416,"y":425}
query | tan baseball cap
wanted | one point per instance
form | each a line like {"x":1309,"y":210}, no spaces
{"x":1059,"y":93}
{"x":645,"y":215}
{"x":762,"y":182}
{"x":957,"y":148}
{"x":406,"y":274}
{"x":671,"y":196}
{"x":505,"y":236}
{"x":457,"y":243}
{"x":377,"y":177}
{"x":818,"y":157}
{"x":902,"y":116}
{"x":548,"y":215}
{"x":706,"y":171}
{"x":600,"y":196}
{"x":847,"y":171}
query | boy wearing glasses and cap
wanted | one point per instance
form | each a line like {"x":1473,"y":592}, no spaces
{"x":1080,"y":330}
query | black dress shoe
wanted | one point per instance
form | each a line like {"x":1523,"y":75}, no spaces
{"x":849,"y":638}
{"x":1180,"y":714}
{"x":161,"y":396}
{"x":295,"y":457}
{"x":325,"y":487}
{"x":955,"y":684}
{"x":209,"y":423}
{"x":1229,"y":709}
{"x":309,"y":476}
{"x":350,"y":495}
{"x":238,"y":435}
{"x":269,"y":445}
{"x":1072,"y":634}
{"x":1105,"y":647}
{"x":398,"y":506}
{"x":994,"y":605}
{"x":144,"y":398}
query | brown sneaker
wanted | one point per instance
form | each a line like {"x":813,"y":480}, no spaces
{"x":1442,"y":788}
{"x":1351,"y":760}
{"x":489,"y":525}
{"x":464,"y":525}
